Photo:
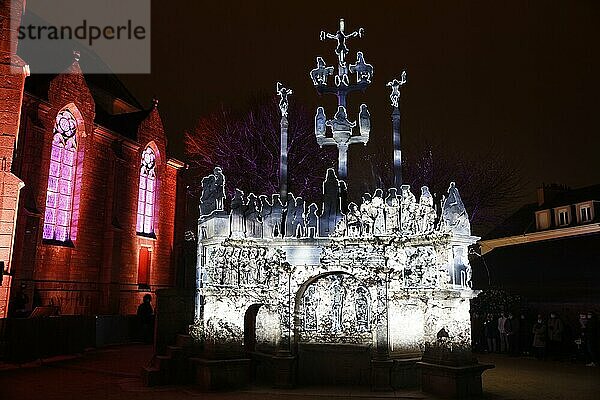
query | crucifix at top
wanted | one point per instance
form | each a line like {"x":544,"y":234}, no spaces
{"x":341,"y":50}
{"x":340,"y":126}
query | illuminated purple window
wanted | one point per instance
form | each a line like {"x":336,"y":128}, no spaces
{"x":59,"y":196}
{"x":146,"y":193}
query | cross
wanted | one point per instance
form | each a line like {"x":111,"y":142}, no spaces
{"x":341,"y":49}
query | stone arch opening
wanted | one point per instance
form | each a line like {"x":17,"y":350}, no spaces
{"x":250,"y":327}
{"x":335,"y":344}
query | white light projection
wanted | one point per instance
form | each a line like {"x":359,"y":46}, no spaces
{"x":283,"y":94}
{"x":387,"y":272}
{"x":395,"y":100}
{"x":341,"y":127}
{"x":392,"y":278}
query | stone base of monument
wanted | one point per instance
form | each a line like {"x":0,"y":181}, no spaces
{"x":396,"y":373}
{"x":333,"y":364}
{"x":221,"y":374}
{"x":405,"y":373}
{"x":214,"y":225}
{"x":284,"y":371}
{"x":459,"y":382}
{"x":381,"y":375}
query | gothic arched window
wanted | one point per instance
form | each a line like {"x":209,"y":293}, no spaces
{"x":147,"y":192}
{"x":61,"y":178}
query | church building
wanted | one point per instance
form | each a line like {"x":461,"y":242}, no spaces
{"x":90,"y":197}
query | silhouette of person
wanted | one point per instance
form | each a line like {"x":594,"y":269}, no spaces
{"x":145,"y":315}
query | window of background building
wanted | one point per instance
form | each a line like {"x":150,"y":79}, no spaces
{"x":147,"y":193}
{"x":61,"y":178}
{"x":563,"y":217}
{"x":586,"y":213}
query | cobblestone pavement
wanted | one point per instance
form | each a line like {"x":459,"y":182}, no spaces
{"x":114,"y":374}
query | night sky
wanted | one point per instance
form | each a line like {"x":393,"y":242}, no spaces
{"x":520,"y":77}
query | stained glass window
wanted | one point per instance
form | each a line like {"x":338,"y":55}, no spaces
{"x":61,"y":177}
{"x":146,"y":192}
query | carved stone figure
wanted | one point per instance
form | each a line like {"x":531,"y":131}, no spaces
{"x":331,"y":213}
{"x":298,"y":221}
{"x":339,"y":294}
{"x":377,"y":213}
{"x":392,"y":212}
{"x":311,"y":302}
{"x":319,"y":74}
{"x":283,"y":93}
{"x":311,"y":221}
{"x":276,"y":220}
{"x":364,"y":120}
{"x":217,"y":266}
{"x":265,"y":215}
{"x":226,"y":275}
{"x":413,"y":270}
{"x":454,"y":214}
{"x":361,"y":308}
{"x":219,"y":188}
{"x":340,"y":125}
{"x":244,"y":267}
{"x":366,"y":215}
{"x":213,"y":192}
{"x":343,"y":197}
{"x":233,"y":270}
{"x":426,"y":211}
{"x":364,"y":71}
{"x":395,"y":85}
{"x":320,"y":123}
{"x":290,"y":215}
{"x":353,"y":220}
{"x":207,"y":199}
{"x":237,"y":214}
{"x":251,"y":216}
{"x":407,"y":210}
{"x":253,"y":270}
{"x":462,"y":268}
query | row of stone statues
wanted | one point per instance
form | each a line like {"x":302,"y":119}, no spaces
{"x":229,"y":266}
{"x":377,"y":215}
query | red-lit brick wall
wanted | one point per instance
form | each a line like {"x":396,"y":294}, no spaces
{"x":12,"y":78}
{"x":98,"y":274}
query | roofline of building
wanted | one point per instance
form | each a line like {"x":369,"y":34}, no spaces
{"x":491,"y":244}
{"x":111,"y":135}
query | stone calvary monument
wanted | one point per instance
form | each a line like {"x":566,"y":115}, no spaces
{"x":373,"y":292}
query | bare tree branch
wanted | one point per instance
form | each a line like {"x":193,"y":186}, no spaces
{"x":246,"y":145}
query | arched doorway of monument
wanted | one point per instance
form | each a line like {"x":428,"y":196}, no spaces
{"x":261,"y":368}
{"x":334,"y":345}
{"x":250,"y":328}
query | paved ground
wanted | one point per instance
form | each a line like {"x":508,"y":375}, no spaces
{"x":114,"y":374}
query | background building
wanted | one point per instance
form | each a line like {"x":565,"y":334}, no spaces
{"x":548,"y":251}
{"x":95,"y":222}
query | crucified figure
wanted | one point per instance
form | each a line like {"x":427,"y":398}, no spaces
{"x":283,"y":93}
{"x":341,"y":49}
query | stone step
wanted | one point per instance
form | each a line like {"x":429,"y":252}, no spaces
{"x":220,"y":374}
{"x":161,"y":362}
{"x":184,"y":341}
{"x":152,"y":376}
{"x":175,"y":351}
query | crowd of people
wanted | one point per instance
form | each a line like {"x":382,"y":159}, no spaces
{"x":546,"y":336}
